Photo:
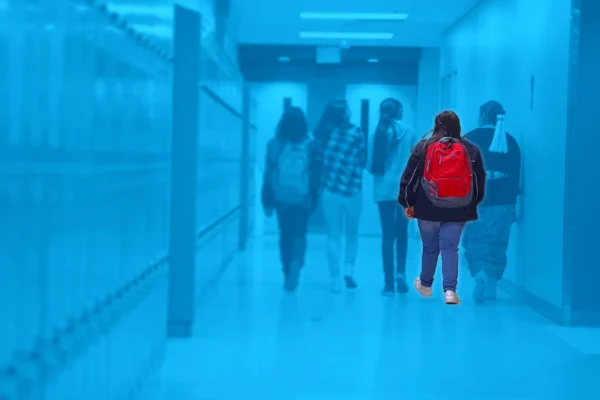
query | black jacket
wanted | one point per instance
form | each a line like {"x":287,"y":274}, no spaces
{"x":505,"y":190}
{"x":412,"y":193}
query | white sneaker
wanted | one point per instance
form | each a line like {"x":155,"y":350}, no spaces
{"x":424,"y":291}
{"x":450,"y":297}
{"x":337,"y":285}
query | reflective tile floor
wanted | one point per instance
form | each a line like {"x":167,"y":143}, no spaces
{"x":253,"y":341}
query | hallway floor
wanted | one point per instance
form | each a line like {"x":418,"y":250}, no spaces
{"x":254,"y":341}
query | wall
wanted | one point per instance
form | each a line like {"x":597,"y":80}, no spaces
{"x":493,"y":61}
{"x":269,"y":108}
{"x":580,"y":233}
{"x":428,"y":90}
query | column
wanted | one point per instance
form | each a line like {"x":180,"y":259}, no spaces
{"x":185,"y":117}
{"x":245,"y":170}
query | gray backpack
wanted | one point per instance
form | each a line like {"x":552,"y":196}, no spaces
{"x":290,"y":179}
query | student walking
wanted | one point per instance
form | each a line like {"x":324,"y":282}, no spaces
{"x":392,"y":145}
{"x":442,"y":185}
{"x":486,"y":241}
{"x":290,"y":189}
{"x":342,"y":153}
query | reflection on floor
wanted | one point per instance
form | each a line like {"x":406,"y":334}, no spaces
{"x":253,"y":341}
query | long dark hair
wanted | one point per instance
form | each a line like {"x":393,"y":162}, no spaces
{"x":447,"y":124}
{"x":334,"y":117}
{"x":389,"y":110}
{"x":489,"y":112}
{"x":292,"y":126}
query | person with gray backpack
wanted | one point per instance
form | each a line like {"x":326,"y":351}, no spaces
{"x":290,"y":189}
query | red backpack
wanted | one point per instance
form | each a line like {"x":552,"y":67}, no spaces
{"x":447,"y":175}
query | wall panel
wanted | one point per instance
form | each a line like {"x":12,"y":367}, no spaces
{"x":84,"y":178}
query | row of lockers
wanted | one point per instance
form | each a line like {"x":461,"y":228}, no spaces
{"x":65,"y":82}
{"x":84,"y":199}
{"x":85,"y":128}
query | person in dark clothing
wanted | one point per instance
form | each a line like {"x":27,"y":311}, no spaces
{"x":486,"y":241}
{"x":292,"y":216}
{"x":441,"y":228}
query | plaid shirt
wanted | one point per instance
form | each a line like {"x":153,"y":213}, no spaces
{"x":343,"y":160}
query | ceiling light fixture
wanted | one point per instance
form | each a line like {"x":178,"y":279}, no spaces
{"x":373,"y":60}
{"x":347,"y":35}
{"x":284,"y":59}
{"x":354,"y":16}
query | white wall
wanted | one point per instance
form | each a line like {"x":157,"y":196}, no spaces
{"x":369,"y":224}
{"x":428,"y":90}
{"x":495,"y":50}
{"x":427,"y":102}
{"x":269,"y":108}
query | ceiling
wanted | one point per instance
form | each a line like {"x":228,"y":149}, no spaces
{"x":278,"y":22}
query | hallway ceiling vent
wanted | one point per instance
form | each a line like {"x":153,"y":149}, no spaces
{"x":329,"y":55}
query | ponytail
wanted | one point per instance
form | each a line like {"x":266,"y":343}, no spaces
{"x":499,"y":144}
{"x":381,"y":146}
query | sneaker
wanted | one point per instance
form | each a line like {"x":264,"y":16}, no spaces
{"x":490,"y":288}
{"x":424,"y":291}
{"x":336,"y":285}
{"x":291,"y":283}
{"x":479,"y":291}
{"x":350,"y":282}
{"x":450,"y":297}
{"x":401,"y":285}
{"x":388,"y":291}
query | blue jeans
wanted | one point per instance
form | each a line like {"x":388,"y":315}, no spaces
{"x":444,"y":237}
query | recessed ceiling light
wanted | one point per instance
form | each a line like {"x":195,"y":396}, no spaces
{"x":373,"y":60}
{"x":347,"y":35}
{"x":284,"y":59}
{"x":354,"y":16}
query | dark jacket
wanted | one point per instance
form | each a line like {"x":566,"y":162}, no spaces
{"x":274,"y":149}
{"x":503,"y":190}
{"x":412,"y":193}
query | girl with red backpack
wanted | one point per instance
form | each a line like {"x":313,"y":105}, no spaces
{"x":442,"y":185}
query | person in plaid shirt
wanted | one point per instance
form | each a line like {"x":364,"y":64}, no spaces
{"x":342,"y":150}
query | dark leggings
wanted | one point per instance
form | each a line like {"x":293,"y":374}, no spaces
{"x":293,"y":224}
{"x":394,"y":229}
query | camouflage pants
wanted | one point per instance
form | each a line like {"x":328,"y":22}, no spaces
{"x":486,"y":240}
